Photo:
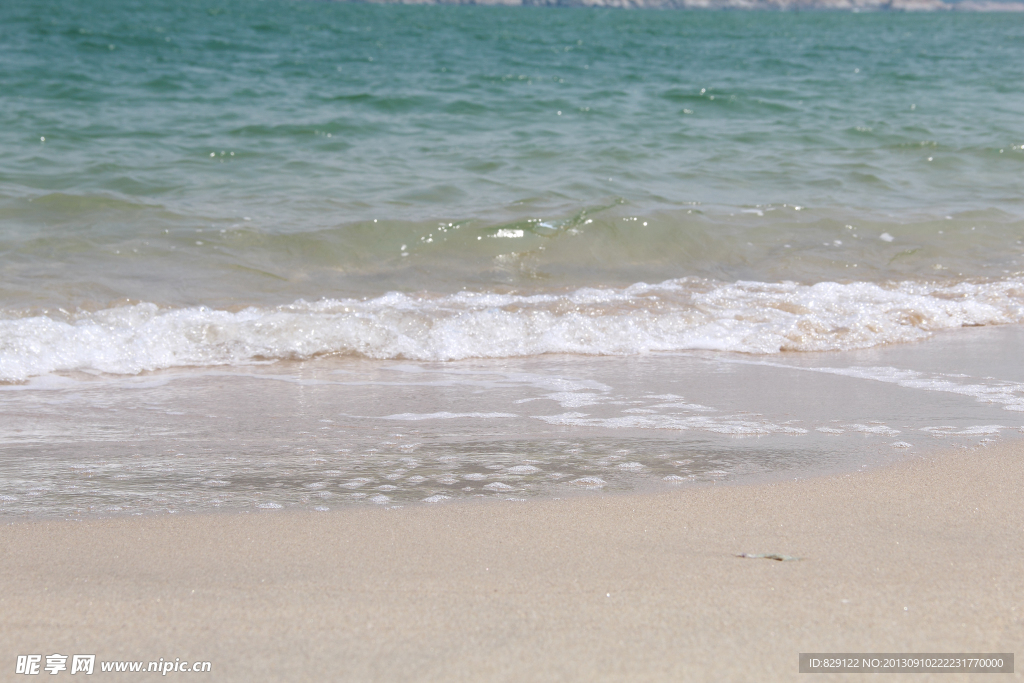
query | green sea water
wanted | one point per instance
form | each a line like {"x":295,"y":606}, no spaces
{"x":302,"y":254}
{"x":201,"y":183}
{"x":303,"y":143}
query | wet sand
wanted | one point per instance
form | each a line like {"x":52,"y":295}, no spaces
{"x":925,"y":556}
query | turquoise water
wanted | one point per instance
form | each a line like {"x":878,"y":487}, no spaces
{"x":338,"y":113}
{"x":163,"y":157}
{"x":288,"y":253}
{"x":277,"y":133}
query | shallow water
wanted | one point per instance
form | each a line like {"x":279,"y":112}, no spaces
{"x":495,"y":235}
{"x":316,"y":435}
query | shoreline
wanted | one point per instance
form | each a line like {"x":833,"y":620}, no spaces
{"x":332,"y":433}
{"x":919,"y":556}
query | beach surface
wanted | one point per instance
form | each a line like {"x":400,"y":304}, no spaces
{"x":922,"y":556}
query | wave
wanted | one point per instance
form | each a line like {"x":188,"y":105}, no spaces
{"x":675,"y":315}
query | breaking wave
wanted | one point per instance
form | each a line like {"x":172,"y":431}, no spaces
{"x":682,"y":314}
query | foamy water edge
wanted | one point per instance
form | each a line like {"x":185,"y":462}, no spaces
{"x":675,"y":315}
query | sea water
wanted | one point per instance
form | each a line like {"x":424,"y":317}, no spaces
{"x":278,"y":254}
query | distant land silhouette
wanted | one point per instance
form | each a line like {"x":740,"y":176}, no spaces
{"x":791,"y":5}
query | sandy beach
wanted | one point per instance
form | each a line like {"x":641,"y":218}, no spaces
{"x":924,"y":556}
{"x":385,"y":341}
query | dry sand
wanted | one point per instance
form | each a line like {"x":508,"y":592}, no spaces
{"x":925,"y":556}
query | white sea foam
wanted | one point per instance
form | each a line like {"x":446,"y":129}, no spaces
{"x":723,"y":425}
{"x":444,"y":415}
{"x":569,"y":399}
{"x":1009,"y":394}
{"x":589,"y":482}
{"x":523,"y":469}
{"x":979,"y":430}
{"x":436,"y":498}
{"x":681,"y":314}
{"x":873,"y":429}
